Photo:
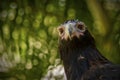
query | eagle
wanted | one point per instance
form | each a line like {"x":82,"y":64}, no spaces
{"x":81,"y":59}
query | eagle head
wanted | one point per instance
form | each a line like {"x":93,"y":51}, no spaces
{"x":70,"y":29}
{"x":74,"y":32}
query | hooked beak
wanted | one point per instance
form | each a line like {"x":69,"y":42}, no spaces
{"x":68,"y":32}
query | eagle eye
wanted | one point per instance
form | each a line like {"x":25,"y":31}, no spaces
{"x":60,"y":30}
{"x":80,"y":26}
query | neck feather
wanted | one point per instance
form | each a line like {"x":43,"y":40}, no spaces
{"x":78,"y":60}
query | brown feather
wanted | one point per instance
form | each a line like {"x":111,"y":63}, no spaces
{"x":82,"y":60}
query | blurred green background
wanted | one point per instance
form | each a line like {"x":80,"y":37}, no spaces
{"x":28,"y":36}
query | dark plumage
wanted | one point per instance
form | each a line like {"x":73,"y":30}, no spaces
{"x":81,"y":59}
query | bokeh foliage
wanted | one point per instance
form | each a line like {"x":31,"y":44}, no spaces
{"x":28,"y":36}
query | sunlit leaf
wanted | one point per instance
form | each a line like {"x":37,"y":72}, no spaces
{"x":29,"y":65}
{"x":18,"y":19}
{"x":42,"y":34}
{"x":11,"y":14}
{"x":6,"y":31}
{"x":35,"y":62}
